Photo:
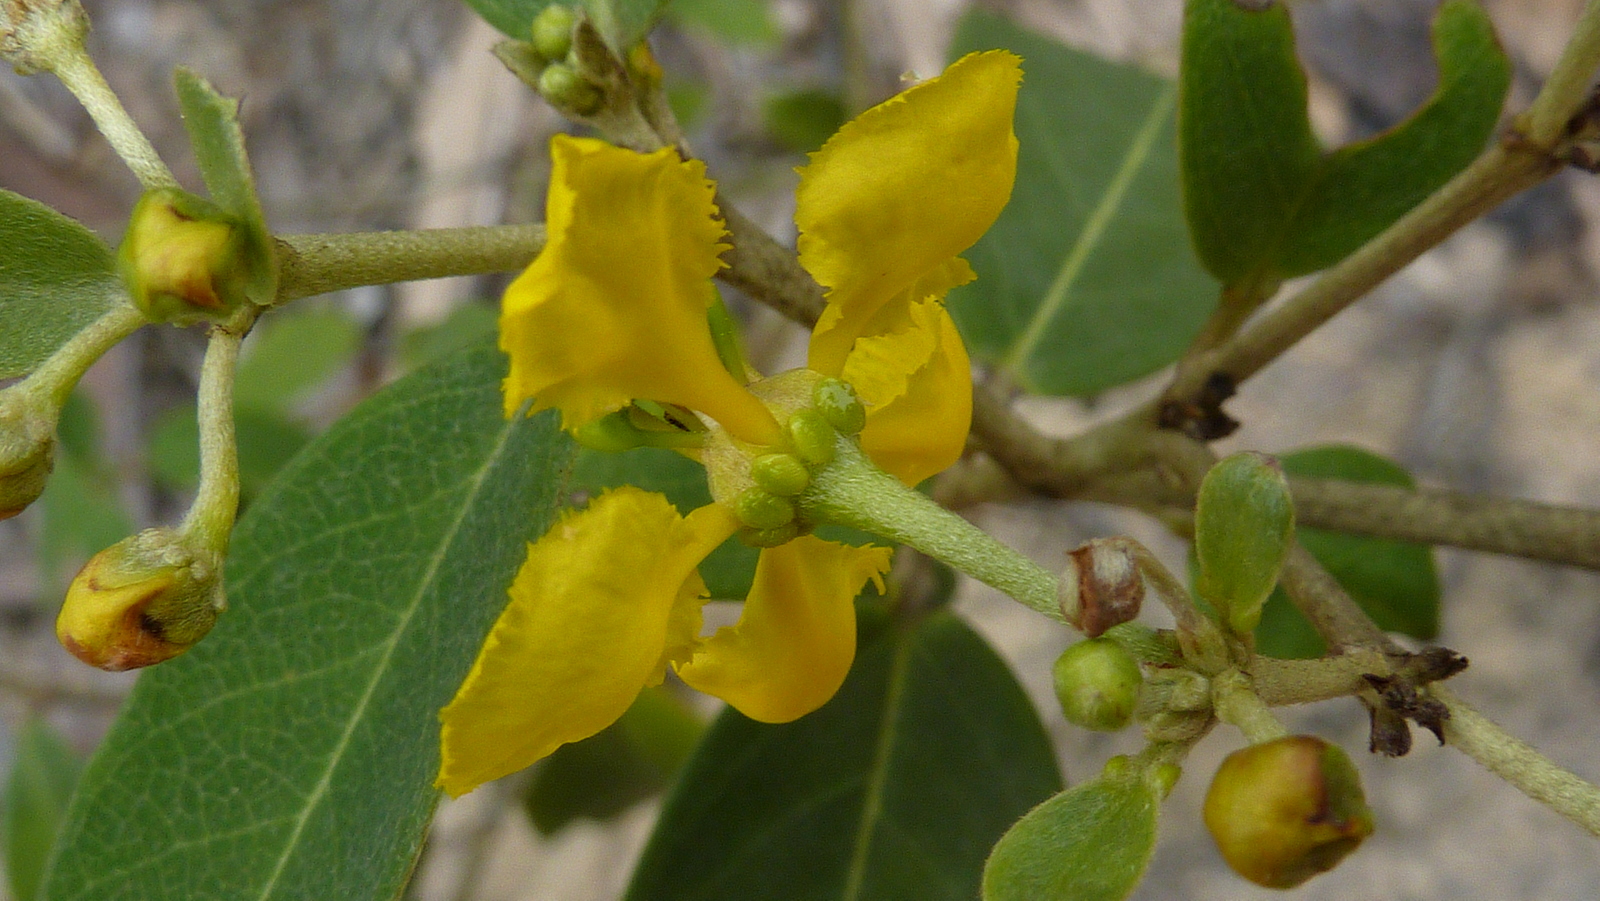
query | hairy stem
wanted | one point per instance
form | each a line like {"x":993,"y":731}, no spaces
{"x":1284,"y":682}
{"x":1513,"y":760}
{"x":317,"y":264}
{"x":1504,"y":171}
{"x":1568,"y":85}
{"x":1529,"y":529}
{"x":216,"y":503}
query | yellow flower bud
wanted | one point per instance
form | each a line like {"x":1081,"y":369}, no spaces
{"x":1285,"y":810}
{"x":182,"y":258}
{"x":143,"y":600}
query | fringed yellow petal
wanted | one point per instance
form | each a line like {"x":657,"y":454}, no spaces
{"x":614,"y":308}
{"x":917,"y":385}
{"x":906,"y":186}
{"x":794,"y":643}
{"x":587,"y":627}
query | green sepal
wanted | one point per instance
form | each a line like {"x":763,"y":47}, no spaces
{"x":212,"y":121}
{"x":1243,"y":531}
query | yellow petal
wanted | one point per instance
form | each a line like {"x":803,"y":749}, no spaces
{"x":917,"y":385}
{"x":590,"y":620}
{"x":614,"y":307}
{"x":796,"y":638}
{"x":903,"y":188}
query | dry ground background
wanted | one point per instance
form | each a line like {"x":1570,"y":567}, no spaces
{"x":1477,"y":368}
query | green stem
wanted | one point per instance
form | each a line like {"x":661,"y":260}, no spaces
{"x":852,"y":491}
{"x":1564,"y":91}
{"x":317,"y":264}
{"x":80,"y":75}
{"x":1237,"y":703}
{"x":1515,"y":761}
{"x":57,"y":376}
{"x":209,"y":522}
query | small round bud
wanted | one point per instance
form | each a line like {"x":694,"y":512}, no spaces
{"x":783,"y":534}
{"x":838,"y":402}
{"x":1101,"y":586}
{"x":1285,"y":810}
{"x":552,"y":31}
{"x":143,"y":600}
{"x":760,"y":509}
{"x":182,"y":258}
{"x":812,"y":437}
{"x":565,"y":88}
{"x":1097,"y":682}
{"x":27,"y":453}
{"x":780,"y":474}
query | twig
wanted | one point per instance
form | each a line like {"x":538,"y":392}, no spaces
{"x":1500,"y":525}
{"x":317,"y":264}
{"x":1513,"y":760}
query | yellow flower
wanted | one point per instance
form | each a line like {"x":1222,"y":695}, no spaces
{"x":614,"y":311}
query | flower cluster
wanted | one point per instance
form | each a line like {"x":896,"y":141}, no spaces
{"x":612,"y":317}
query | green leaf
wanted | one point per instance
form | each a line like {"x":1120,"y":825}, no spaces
{"x":513,"y":17}
{"x":467,"y":324}
{"x":42,"y":777}
{"x":292,"y":753}
{"x":632,"y":759}
{"x":734,"y":21}
{"x":56,"y":277}
{"x":1243,"y":530}
{"x":291,"y":353}
{"x":895,"y":789}
{"x":1395,"y":582}
{"x":624,"y":23}
{"x":730,"y":568}
{"x":1264,"y":201}
{"x":1087,"y":280}
{"x":212,"y":121}
{"x":1092,"y":842}
{"x":82,"y":516}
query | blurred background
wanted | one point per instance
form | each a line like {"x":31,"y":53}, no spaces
{"x":1477,"y":368}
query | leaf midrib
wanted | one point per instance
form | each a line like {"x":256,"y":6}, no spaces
{"x":434,"y":564}
{"x":1089,"y":238}
{"x":872,"y":803}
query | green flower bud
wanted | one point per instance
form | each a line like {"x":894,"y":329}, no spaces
{"x":182,"y":258}
{"x":566,"y":89}
{"x":143,"y":600}
{"x":759,"y":509}
{"x":1285,"y":810}
{"x":552,"y":31}
{"x":27,"y":452}
{"x":780,"y":474}
{"x":812,"y":437}
{"x":1097,"y":682}
{"x":839,"y":403}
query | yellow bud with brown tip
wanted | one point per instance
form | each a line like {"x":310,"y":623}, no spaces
{"x":145,"y":599}
{"x":1285,"y":810}
{"x":182,"y":258}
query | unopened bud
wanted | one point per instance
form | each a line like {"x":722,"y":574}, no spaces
{"x":143,"y":600}
{"x":182,"y":258}
{"x":1285,"y":810}
{"x":1097,"y":682}
{"x":565,"y":88}
{"x":552,"y":31}
{"x":811,"y":437}
{"x":838,"y":402}
{"x":36,"y":34}
{"x":1101,"y":586}
{"x":27,"y":452}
